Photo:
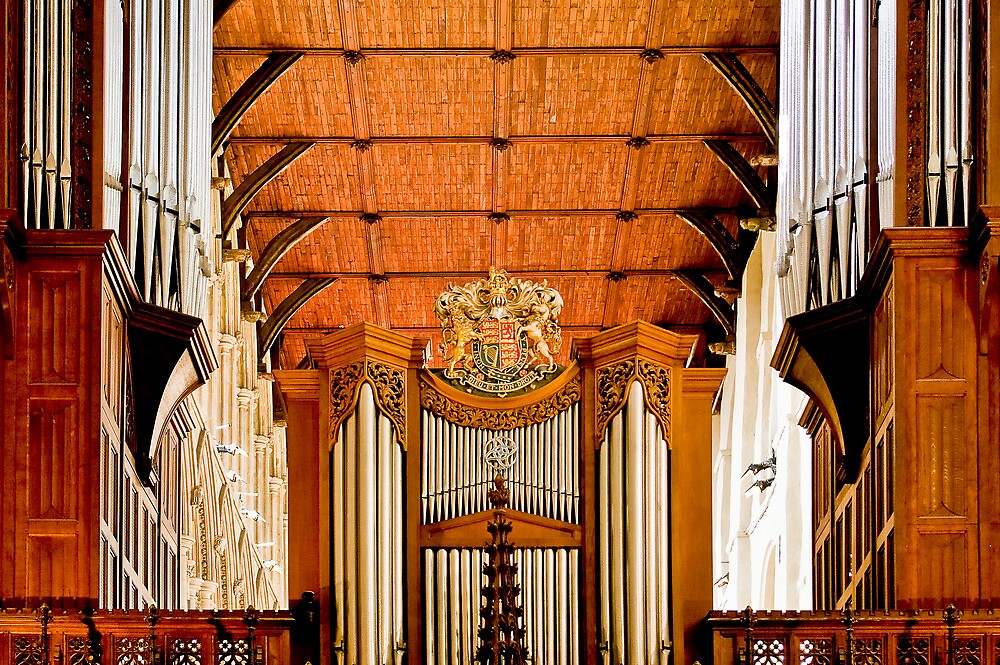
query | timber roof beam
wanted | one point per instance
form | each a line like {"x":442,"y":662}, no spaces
{"x":241,"y":197}
{"x":739,"y":77}
{"x":747,"y":175}
{"x":276,"y":64}
{"x":286,"y":309}
{"x":275,"y":250}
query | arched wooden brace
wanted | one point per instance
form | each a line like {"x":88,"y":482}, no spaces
{"x":746,"y":174}
{"x":256,"y":85}
{"x":722,"y":241}
{"x":701,"y":287}
{"x":277,"y":319}
{"x":219,"y":9}
{"x":743,"y":82}
{"x":237,"y":202}
{"x":276,"y":249}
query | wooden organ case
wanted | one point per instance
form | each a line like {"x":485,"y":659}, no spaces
{"x":610,"y":500}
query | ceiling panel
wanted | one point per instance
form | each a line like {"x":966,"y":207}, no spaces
{"x":665,"y":242}
{"x":689,"y":175}
{"x":574,"y":95}
{"x":576,"y":23}
{"x":563,"y":176}
{"x":338,"y":245}
{"x":433,"y":176}
{"x":275,"y":24}
{"x":532,"y":243}
{"x":425,"y":23}
{"x":324,"y":178}
{"x":419,"y":96}
{"x":428,"y":244}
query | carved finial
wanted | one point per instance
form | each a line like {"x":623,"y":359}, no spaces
{"x":361,"y":145}
{"x":502,"y":56}
{"x":500,"y":144}
{"x":637,"y":142}
{"x":951,"y":615}
{"x":651,"y":55}
{"x":626,"y":216}
{"x":353,"y":57}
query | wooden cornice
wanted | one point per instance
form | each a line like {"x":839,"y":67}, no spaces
{"x":638,"y":338}
{"x":364,"y":341}
{"x":825,"y":353}
{"x":276,"y":64}
{"x":241,"y":197}
{"x":287,"y":308}
{"x":723,"y":312}
{"x":276,"y":249}
{"x":739,"y":77}
{"x":746,"y":174}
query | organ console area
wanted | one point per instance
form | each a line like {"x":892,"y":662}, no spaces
{"x":610,"y":499}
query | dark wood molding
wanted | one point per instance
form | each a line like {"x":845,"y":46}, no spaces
{"x":723,"y":312}
{"x":722,"y":241}
{"x":236,"y":203}
{"x":277,"y":248}
{"x":746,"y":174}
{"x":739,"y":77}
{"x":824,"y":353}
{"x":276,"y":64}
{"x":287,"y":308}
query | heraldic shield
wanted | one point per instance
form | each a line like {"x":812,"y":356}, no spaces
{"x":500,"y":333}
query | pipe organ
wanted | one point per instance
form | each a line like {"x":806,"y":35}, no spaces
{"x":610,"y":498}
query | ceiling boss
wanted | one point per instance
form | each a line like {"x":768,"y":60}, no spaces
{"x":500,"y":333}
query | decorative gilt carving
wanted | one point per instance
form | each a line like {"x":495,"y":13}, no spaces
{"x":388,"y":383}
{"x":507,"y":419}
{"x":612,"y":381}
{"x":612,"y":387}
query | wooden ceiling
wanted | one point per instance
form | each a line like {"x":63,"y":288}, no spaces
{"x":452,"y":135}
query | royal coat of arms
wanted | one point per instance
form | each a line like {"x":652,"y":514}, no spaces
{"x":500,"y":333}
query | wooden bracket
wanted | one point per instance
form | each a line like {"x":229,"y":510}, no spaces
{"x":701,"y":287}
{"x":746,"y":86}
{"x":237,"y":202}
{"x":277,"y":248}
{"x":252,"y":89}
{"x":286,"y":309}
{"x":737,"y":164}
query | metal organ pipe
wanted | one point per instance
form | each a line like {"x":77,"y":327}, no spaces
{"x":634,"y":610}
{"x":367,"y":488}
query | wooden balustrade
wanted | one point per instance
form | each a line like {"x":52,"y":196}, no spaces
{"x":71,"y":637}
{"x":931,"y":637}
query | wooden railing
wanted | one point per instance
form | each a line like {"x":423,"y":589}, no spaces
{"x":71,"y":637}
{"x":943,"y":637}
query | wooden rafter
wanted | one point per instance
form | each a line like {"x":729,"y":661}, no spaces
{"x":737,"y":75}
{"x":480,"y":52}
{"x":286,"y":309}
{"x":542,"y":273}
{"x":276,"y":64}
{"x":701,"y":287}
{"x":237,"y":202}
{"x":276,"y":249}
{"x":486,"y":140}
{"x":547,"y":212}
{"x":744,"y":173}
{"x":722,"y":241}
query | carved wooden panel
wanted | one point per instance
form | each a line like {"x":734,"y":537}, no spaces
{"x":54,"y":301}
{"x":53,"y":486}
{"x":942,"y":460}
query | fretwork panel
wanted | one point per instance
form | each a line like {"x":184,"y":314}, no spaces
{"x":544,"y":480}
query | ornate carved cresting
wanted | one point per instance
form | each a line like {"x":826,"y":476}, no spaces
{"x":388,"y":383}
{"x":612,"y":386}
{"x":504,"y":419}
